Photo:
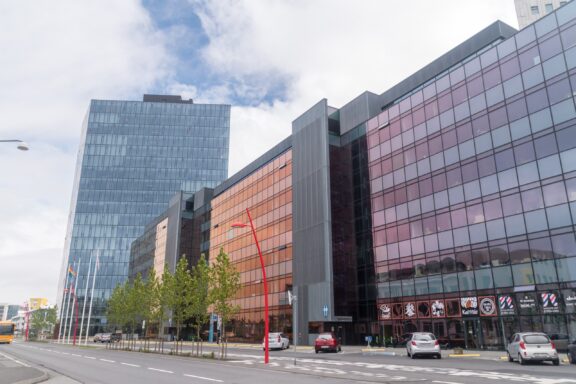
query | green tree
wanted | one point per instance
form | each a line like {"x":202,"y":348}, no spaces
{"x":117,"y":309}
{"x":43,"y":320}
{"x":136,"y":303}
{"x":180,"y":298}
{"x":225,"y":282}
{"x":200,"y":285}
{"x":153,"y":289}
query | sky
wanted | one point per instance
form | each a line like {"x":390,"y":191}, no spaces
{"x":270,"y":59}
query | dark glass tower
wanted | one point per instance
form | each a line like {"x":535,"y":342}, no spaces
{"x":133,"y":157}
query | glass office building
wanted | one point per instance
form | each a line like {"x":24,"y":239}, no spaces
{"x":134,"y":156}
{"x":473,"y":190}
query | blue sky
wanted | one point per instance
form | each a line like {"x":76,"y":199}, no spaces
{"x":270,"y":59}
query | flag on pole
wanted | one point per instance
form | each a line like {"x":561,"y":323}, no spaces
{"x":71,"y":271}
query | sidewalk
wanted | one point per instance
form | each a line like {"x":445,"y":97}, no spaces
{"x":14,"y":371}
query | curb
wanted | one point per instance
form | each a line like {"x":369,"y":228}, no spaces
{"x":377,"y":351}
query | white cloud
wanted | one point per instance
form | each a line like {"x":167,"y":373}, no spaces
{"x":333,"y":49}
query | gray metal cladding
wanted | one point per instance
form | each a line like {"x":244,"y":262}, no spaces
{"x":312,"y":260}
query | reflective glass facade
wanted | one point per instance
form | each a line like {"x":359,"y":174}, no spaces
{"x":267,"y":193}
{"x":134,"y":156}
{"x":473,"y":194}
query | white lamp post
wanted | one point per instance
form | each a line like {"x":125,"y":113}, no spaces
{"x":21,"y":144}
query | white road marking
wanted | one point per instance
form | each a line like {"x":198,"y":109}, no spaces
{"x":65,"y":353}
{"x":75,"y":354}
{"x":108,"y":361}
{"x":131,"y":365}
{"x":445,"y":382}
{"x":90,"y":357}
{"x":160,"y":370}
{"x":204,"y":378}
{"x":14,"y":360}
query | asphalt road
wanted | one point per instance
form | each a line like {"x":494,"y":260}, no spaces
{"x":99,"y":365}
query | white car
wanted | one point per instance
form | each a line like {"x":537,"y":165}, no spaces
{"x":423,"y":344}
{"x":532,"y":346}
{"x":276,"y":340}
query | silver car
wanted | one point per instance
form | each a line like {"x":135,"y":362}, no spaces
{"x":277,"y":340}
{"x":532,"y":346}
{"x":423,"y":344}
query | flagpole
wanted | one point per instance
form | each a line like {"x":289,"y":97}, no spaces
{"x":96,"y":267}
{"x":66,"y":324}
{"x":63,"y":305}
{"x":74,"y":293}
{"x":85,"y":296}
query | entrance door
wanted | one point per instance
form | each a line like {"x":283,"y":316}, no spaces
{"x":472,"y":333}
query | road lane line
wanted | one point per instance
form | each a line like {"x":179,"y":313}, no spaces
{"x":89,"y":357}
{"x":204,"y":378}
{"x":108,"y":361}
{"x":14,"y":360}
{"x":160,"y":370}
{"x":131,"y":365}
{"x":65,"y":353}
{"x":445,"y":382}
{"x":75,"y":354}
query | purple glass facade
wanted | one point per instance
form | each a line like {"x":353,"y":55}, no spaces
{"x":473,"y":194}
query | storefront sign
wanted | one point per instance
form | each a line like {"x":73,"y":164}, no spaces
{"x":423,"y":309}
{"x":527,"y":303}
{"x":469,"y":306}
{"x":550,"y":302}
{"x":506,"y":305}
{"x":487,"y":306}
{"x":453,"y":308}
{"x":409,"y":310}
{"x":385,"y":312}
{"x":397,"y":312}
{"x":569,"y":300}
{"x":438,"y":309}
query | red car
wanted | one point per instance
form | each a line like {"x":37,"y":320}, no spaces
{"x":327,"y":342}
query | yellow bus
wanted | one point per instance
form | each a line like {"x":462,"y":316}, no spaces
{"x":6,"y":332}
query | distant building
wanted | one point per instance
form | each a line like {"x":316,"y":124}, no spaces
{"x":176,"y":233}
{"x":7,"y":311}
{"x":133,"y":157}
{"x":528,"y":11}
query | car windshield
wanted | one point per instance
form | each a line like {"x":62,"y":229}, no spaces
{"x":536,"y":339}
{"x":424,"y":337}
{"x":326,"y":336}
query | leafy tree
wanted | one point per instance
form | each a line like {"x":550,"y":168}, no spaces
{"x":43,"y":320}
{"x":136,"y":303}
{"x":153,"y":288}
{"x":200,"y":285}
{"x":117,"y":310}
{"x":180,"y":298}
{"x":225,"y":282}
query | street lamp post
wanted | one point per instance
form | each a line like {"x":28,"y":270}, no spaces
{"x":21,"y":146}
{"x":266,"y":318}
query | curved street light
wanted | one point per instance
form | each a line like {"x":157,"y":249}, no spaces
{"x":22,"y":145}
{"x":266,"y":319}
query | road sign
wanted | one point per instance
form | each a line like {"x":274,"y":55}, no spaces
{"x":325,"y":311}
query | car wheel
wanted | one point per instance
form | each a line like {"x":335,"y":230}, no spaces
{"x":510,"y":359}
{"x":556,"y":362}
{"x":412,"y":356}
{"x":316,"y":350}
{"x":521,"y":360}
{"x":439,"y":356}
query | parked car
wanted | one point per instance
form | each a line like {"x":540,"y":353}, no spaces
{"x":276,"y":340}
{"x":532,"y":346}
{"x":572,"y":352}
{"x":327,"y":342}
{"x":423,"y":344}
{"x":97,"y":337}
{"x":560,"y":340}
{"x":105,"y":337}
{"x":115,"y":337}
